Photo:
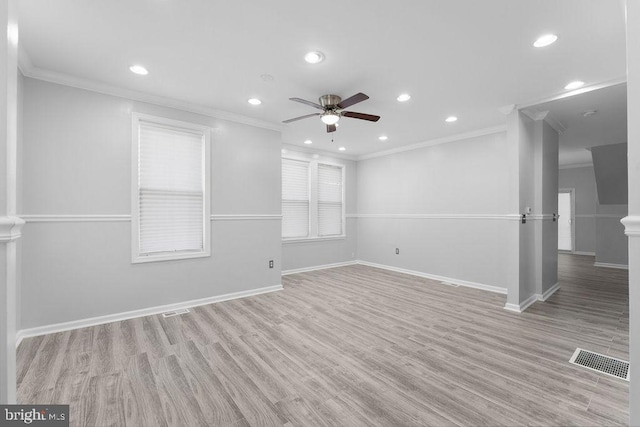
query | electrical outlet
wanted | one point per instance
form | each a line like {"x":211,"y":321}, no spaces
{"x":271,"y":264}
{"x":397,"y":251}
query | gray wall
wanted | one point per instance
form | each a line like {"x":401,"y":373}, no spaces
{"x":546,"y":204}
{"x":77,"y":161}
{"x":583,"y":181}
{"x":399,"y":194}
{"x":610,"y":165}
{"x":612,"y":246}
{"x":301,"y":255}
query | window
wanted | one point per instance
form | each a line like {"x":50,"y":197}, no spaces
{"x":312,"y":200}
{"x":170,"y":191}
{"x":295,"y":199}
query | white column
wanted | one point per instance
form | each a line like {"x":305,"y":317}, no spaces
{"x":10,"y":225}
{"x":632,"y":222}
{"x":521,"y":290}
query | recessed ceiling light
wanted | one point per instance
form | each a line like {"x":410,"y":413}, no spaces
{"x":308,"y":141}
{"x":139,"y":69}
{"x":314,"y":57}
{"x":545,"y":40}
{"x":342,"y":149}
{"x":574,"y":85}
{"x":451,"y":119}
{"x":403,"y":97}
{"x":383,"y":137}
{"x":254,"y":101}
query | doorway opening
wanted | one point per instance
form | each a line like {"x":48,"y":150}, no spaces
{"x":566,"y":228}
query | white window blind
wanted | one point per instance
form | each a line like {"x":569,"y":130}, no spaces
{"x":171,"y":195}
{"x":295,"y":199}
{"x":329,"y":200}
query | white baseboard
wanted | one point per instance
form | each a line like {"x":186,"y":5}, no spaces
{"x":608,"y":265}
{"x":109,"y":318}
{"x":466,"y":283}
{"x":519,"y":308}
{"x":552,"y":290}
{"x":584,"y":253}
{"x":318,"y":267}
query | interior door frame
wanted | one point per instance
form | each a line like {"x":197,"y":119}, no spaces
{"x":572,"y":202}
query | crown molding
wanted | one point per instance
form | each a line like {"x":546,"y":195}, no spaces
{"x":33,"y":72}
{"x":437,"y":141}
{"x":10,"y":228}
{"x":318,"y":152}
{"x":545,"y":116}
{"x":565,"y":94}
{"x":507,"y":109}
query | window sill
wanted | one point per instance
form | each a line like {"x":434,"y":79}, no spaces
{"x":314,"y":239}
{"x":140,"y":259}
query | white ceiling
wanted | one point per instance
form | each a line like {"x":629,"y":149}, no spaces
{"x":607,"y":126}
{"x":455,"y":57}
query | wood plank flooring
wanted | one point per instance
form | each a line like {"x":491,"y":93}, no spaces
{"x":348,"y":346}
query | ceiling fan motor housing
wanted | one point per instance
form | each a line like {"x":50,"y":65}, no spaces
{"x":329,"y":100}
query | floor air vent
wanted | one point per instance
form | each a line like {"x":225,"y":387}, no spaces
{"x":175,"y":313}
{"x":601,"y":363}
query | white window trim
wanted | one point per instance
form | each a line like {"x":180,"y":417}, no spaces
{"x":313,"y":202}
{"x":136,"y":257}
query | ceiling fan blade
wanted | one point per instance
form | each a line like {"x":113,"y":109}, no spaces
{"x":304,"y":101}
{"x":361,"y":116}
{"x":331,"y":128}
{"x":301,"y":117}
{"x":358,"y":97}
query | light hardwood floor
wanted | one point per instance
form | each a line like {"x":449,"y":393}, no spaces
{"x":348,"y":346}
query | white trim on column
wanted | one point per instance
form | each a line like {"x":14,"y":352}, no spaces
{"x":519,"y":308}
{"x":547,"y":294}
{"x":631,"y":225}
{"x":10,"y":228}
{"x":583,"y":253}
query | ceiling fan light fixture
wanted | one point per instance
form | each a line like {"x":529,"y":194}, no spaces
{"x":314,"y":57}
{"x":330,"y":118}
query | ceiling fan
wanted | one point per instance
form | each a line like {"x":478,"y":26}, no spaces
{"x":332,"y":107}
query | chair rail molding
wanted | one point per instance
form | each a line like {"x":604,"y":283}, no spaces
{"x":10,"y":228}
{"x":631,"y":225}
